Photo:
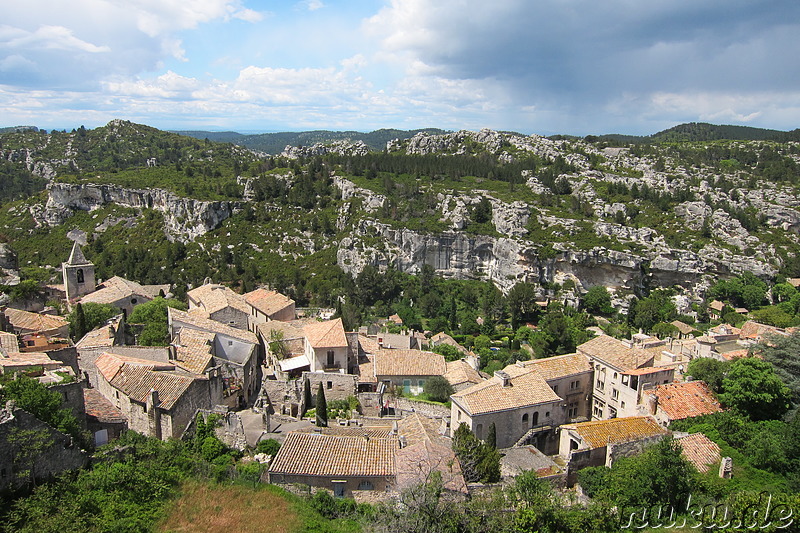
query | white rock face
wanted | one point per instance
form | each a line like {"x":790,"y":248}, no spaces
{"x":336,"y":147}
{"x":185,"y":219}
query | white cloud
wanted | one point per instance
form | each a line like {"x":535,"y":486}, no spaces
{"x":312,"y":5}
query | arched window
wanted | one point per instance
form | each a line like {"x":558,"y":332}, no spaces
{"x":525,"y":418}
{"x":79,"y":275}
{"x":535,"y":419}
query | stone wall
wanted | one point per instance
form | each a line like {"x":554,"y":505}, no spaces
{"x":58,"y":454}
{"x":628,"y":449}
{"x":407,"y":406}
{"x":72,"y":398}
{"x":336,"y":386}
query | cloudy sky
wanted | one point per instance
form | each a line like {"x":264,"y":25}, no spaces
{"x":534,"y":66}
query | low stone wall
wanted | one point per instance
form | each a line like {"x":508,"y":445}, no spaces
{"x":408,"y":406}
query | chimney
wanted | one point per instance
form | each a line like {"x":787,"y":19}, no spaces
{"x":504,"y":378}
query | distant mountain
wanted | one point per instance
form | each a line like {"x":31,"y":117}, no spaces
{"x":274,"y":143}
{"x":702,"y":131}
{"x":18,"y":129}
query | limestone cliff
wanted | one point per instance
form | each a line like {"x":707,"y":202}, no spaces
{"x":185,"y":218}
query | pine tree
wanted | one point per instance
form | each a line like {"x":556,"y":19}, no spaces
{"x":322,"y":407}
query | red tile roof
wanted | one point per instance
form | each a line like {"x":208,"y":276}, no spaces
{"x":409,"y":363}
{"x":34,"y":322}
{"x":328,"y":334}
{"x":99,"y":408}
{"x":699,"y":450}
{"x":686,"y":400}
{"x":311,"y":454}
{"x":268,"y":302}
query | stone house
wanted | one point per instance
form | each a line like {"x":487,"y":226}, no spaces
{"x":212,"y":344}
{"x":715,"y":309}
{"x":343,"y":460}
{"x":27,"y":323}
{"x":265,"y":305}
{"x":218,"y":302}
{"x":602,"y":442}
{"x":155,"y":398}
{"x":103,"y":420}
{"x":407,"y":369}
{"x":676,"y":401}
{"x":326,"y":346}
{"x":570,"y":376}
{"x":123,"y":294}
{"x":461,"y":374}
{"x":518,"y":401}
{"x":623,"y":370}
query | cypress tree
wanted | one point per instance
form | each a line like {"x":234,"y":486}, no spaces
{"x":80,"y":319}
{"x":322,"y":407}
{"x":306,"y":395}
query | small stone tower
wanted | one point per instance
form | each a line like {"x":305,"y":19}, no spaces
{"x":78,"y":274}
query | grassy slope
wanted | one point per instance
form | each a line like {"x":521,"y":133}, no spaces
{"x":207,"y":507}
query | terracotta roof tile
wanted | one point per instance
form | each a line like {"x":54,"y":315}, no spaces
{"x":409,"y":363}
{"x":311,"y":454}
{"x":757,"y":331}
{"x":416,"y":462}
{"x":137,"y":377}
{"x":686,"y":400}
{"x":460,"y":372}
{"x":616,"y":353}
{"x":683,"y":327}
{"x":212,"y":298}
{"x":527,"y":388}
{"x":560,"y":366}
{"x":599,"y":433}
{"x":9,"y":342}
{"x":102,"y":337}
{"x":115,"y":289}
{"x":268,"y":302}
{"x":699,"y":450}
{"x":34,"y":322}
{"x":99,"y":408}
{"x":188,"y":320}
{"x":193,"y":349}
{"x":327,"y":334}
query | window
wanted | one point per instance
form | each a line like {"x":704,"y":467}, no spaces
{"x":615,"y":375}
{"x":612,"y":413}
{"x":555,"y":389}
{"x":331,"y":358}
{"x":407,"y":386}
{"x":79,"y":275}
{"x":525,"y":418}
{"x":547,"y":414}
{"x":330,"y":385}
{"x":574,"y":384}
{"x":365,"y":485}
{"x":573,"y":444}
{"x":535,"y":420}
{"x":614,"y":393}
{"x":597,"y":410}
{"x":572,"y":412}
{"x":600,"y":385}
{"x":134,"y":301}
{"x":622,"y":404}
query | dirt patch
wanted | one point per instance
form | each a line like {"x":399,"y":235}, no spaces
{"x":204,"y":507}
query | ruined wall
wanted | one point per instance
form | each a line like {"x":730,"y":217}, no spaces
{"x":58,"y":452}
{"x":336,"y":386}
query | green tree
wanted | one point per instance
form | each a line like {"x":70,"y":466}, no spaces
{"x":41,"y":402}
{"x":598,"y":300}
{"x":521,"y":301}
{"x":751,"y":387}
{"x":710,"y":370}
{"x":94,"y":315}
{"x":783,"y":352}
{"x":438,"y":389}
{"x":307,"y":400}
{"x":659,"y":475}
{"x":479,"y":461}
{"x":321,"y":407}
{"x":153,"y":315}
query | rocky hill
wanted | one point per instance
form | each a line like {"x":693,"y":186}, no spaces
{"x":481,"y":205}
